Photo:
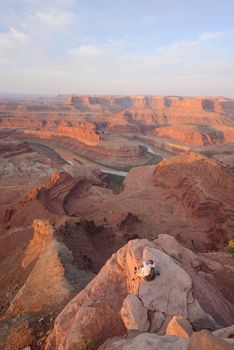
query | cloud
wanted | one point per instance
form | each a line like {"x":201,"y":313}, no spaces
{"x":55,"y":19}
{"x":17,"y":36}
{"x":49,"y":3}
{"x":51,"y":50}
{"x":13,"y":37}
{"x":86,"y":51}
{"x":182,"y":54}
{"x":10,"y":43}
{"x":211,"y":35}
{"x":183,"y":66}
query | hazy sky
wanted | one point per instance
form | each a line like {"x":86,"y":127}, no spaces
{"x":168,"y":47}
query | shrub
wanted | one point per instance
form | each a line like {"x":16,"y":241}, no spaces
{"x":231,"y":247}
{"x":176,"y":256}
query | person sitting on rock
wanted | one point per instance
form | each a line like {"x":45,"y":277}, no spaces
{"x":146,"y":270}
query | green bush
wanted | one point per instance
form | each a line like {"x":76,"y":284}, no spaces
{"x":231,"y":247}
{"x":176,"y":256}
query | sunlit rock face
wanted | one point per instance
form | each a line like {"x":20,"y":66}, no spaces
{"x":95,"y":312}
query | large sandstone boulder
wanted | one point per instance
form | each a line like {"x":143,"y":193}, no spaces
{"x":180,"y":327}
{"x":204,"y":340}
{"x":147,"y":341}
{"x":95,"y":313}
{"x":205,"y":288}
{"x":227,"y":332}
{"x":134,"y":314}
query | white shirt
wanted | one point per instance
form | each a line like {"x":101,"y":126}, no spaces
{"x":145,"y":269}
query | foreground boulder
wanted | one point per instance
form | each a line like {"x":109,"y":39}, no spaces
{"x":202,"y":340}
{"x":116,"y":300}
{"x":206,"y":341}
{"x":147,"y":341}
{"x":180,"y":327}
{"x":207,"y":288}
{"x":134,"y":314}
{"x":227,"y":332}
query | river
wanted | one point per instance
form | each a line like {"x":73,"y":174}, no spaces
{"x":116,"y":172}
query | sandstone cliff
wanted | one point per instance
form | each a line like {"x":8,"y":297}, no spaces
{"x":52,"y":280}
{"x":145,"y":306}
{"x":158,"y":110}
{"x":42,"y":291}
{"x":81,"y":131}
{"x":191,"y":134}
{"x":202,"y":186}
{"x":55,"y":191}
{"x":194,"y":121}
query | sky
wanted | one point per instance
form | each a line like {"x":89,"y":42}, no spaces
{"x":123,"y":47}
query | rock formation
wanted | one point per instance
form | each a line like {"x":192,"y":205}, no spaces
{"x":180,"y":327}
{"x":202,"y":340}
{"x":146,"y":341}
{"x":83,"y":132}
{"x":54,"y":193}
{"x":54,"y":155}
{"x":133,"y":314}
{"x":175,"y":196}
{"x":12,"y":149}
{"x":144,"y":305}
{"x":167,"y":104}
{"x":205,"y":341}
{"x":227,"y":332}
{"x":192,"y":179}
{"x":171,"y":123}
{"x":52,"y":280}
{"x":192,"y":134}
{"x":49,"y":283}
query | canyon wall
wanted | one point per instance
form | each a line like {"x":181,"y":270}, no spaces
{"x":199,"y":121}
{"x":192,"y":179}
{"x":192,"y":134}
{"x":81,"y":131}
{"x":164,"y":107}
